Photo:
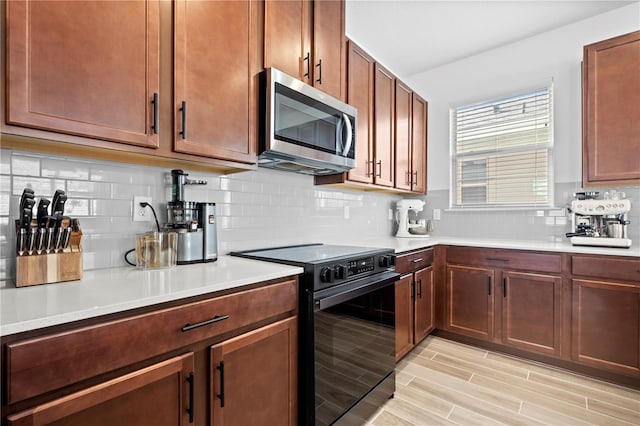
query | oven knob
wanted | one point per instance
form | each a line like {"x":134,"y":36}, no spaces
{"x":384,"y":261}
{"x":341,"y":272}
{"x":326,"y":275}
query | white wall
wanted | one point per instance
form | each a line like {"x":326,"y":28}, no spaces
{"x":555,"y":54}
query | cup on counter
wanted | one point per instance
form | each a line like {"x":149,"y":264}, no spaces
{"x":156,"y":250}
{"x":616,"y":230}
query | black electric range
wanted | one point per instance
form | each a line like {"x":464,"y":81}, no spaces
{"x":346,"y":329}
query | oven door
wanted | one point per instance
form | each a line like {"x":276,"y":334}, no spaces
{"x":354,"y":344}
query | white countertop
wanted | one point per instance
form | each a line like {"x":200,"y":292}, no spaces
{"x":401,"y":245}
{"x":107,"y":291}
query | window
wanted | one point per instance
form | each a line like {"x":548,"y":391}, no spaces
{"x":501,"y":152}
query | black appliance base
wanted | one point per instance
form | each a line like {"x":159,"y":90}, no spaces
{"x":370,"y":403}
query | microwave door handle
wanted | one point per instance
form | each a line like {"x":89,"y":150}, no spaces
{"x":339,"y":131}
{"x":347,"y":147}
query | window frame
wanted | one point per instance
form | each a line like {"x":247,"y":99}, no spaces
{"x":454,"y":158}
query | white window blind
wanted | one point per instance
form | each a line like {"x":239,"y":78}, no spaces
{"x":501,"y":152}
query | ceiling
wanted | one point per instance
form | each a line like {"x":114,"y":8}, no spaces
{"x":412,"y":36}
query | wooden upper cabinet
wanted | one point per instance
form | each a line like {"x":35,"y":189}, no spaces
{"x":215,"y":79}
{"x":419,"y":145}
{"x":611,"y":112}
{"x":360,"y":95}
{"x":404,"y":99}
{"x":384,"y":144}
{"x":287,"y":37}
{"x":306,"y":39}
{"x":84,"y":68}
{"x":329,"y":47}
{"x":410,"y":140}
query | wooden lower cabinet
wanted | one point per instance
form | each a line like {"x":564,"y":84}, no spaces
{"x":532,"y":311}
{"x":156,"y":395}
{"x":404,"y":315}
{"x":414,"y":298}
{"x":470,"y":301}
{"x":253,"y":377}
{"x":519,"y":308}
{"x":605,"y":325}
{"x":158,"y":367}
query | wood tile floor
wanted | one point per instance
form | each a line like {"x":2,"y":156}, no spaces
{"x":446,"y":383}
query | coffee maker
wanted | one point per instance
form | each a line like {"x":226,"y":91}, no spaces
{"x":408,"y":228}
{"x":599,"y":222}
{"x":194,"y":222}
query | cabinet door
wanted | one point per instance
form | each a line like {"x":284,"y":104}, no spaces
{"x":531,"y":311}
{"x":404,"y":294}
{"x":215,"y":79}
{"x":419,"y":145}
{"x":403,"y":135}
{"x":156,"y":395}
{"x":470,"y":301}
{"x":384,"y":106}
{"x":611,"y":111}
{"x":253,"y":377}
{"x":84,"y":68}
{"x":360,"y":95}
{"x":329,"y":47}
{"x":605,"y":325}
{"x":287,"y":37}
{"x":424,"y":312}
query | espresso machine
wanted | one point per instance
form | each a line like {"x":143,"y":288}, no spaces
{"x":194,"y":222}
{"x":411,"y":228}
{"x":599,"y":222}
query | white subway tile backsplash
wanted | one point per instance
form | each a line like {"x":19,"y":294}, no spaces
{"x":255,"y":209}
{"x":122,"y":208}
{"x":24,"y":165}
{"x":78,"y":188}
{"x":65,"y":169}
{"x":42,"y":187}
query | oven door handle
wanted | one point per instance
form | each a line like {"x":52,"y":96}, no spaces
{"x":364,"y":287}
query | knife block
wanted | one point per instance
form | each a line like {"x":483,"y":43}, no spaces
{"x":53,"y":267}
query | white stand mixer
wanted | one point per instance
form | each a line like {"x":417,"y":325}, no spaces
{"x":419,"y":229}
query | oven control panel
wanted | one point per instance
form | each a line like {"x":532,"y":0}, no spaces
{"x":353,"y":268}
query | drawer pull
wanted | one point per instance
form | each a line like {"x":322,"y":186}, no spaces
{"x":416,"y":260}
{"x":215,"y":319}
{"x":496,"y":259}
{"x":190,"y":407}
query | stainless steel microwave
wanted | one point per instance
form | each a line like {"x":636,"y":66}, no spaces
{"x":302,"y":129}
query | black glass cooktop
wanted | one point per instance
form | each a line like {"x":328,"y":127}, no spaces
{"x":308,"y":254}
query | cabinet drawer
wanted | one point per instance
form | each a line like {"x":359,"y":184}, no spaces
{"x":512,"y":259}
{"x":606,"y":267}
{"x":413,"y":261}
{"x":46,"y":363}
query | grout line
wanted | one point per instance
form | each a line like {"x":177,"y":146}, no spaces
{"x":520,"y":409}
{"x":450,"y":412}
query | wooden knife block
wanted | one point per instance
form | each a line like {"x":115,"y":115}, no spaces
{"x":53,"y":267}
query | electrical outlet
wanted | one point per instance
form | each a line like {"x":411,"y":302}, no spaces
{"x":141,"y":214}
{"x":346,"y":212}
{"x":436,"y":214}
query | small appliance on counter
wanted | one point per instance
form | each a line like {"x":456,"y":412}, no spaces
{"x":407,"y":228}
{"x":194,"y":222}
{"x":48,"y":247}
{"x":599,"y":222}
